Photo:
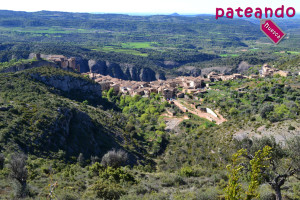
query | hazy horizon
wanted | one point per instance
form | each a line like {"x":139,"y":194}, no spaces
{"x":146,"y":7}
{"x":136,"y":13}
{"x":125,"y":13}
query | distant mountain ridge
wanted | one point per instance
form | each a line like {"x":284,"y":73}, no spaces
{"x":138,"y":47}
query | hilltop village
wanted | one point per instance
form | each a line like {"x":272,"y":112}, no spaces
{"x":177,"y":87}
{"x":174,"y":88}
{"x":184,"y":91}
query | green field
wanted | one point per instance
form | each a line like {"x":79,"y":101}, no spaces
{"x":288,"y":52}
{"x":229,"y":55}
{"x":137,"y":45}
{"x":293,"y":52}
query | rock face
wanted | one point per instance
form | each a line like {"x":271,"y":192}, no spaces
{"x":33,"y":64}
{"x":220,"y":69}
{"x":170,"y":64}
{"x":97,"y":67}
{"x":75,"y":132}
{"x":71,"y":84}
{"x":69,"y":125}
{"x":243,"y":66}
{"x":115,"y":70}
{"x":147,"y":74}
{"x":160,"y":76}
{"x":83,"y":64}
{"x":131,"y":71}
{"x":189,"y":71}
{"x":124,"y":71}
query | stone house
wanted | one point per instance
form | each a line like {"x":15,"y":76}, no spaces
{"x":168,"y":93}
{"x":138,"y":92}
{"x":105,"y":85}
{"x":63,"y":61}
{"x":180,"y":95}
{"x":116,"y":87}
{"x":282,"y":73}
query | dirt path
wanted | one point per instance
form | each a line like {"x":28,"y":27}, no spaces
{"x":173,"y":122}
{"x":220,"y":116}
{"x":219,"y":120}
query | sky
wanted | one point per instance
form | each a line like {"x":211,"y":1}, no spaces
{"x":143,"y":6}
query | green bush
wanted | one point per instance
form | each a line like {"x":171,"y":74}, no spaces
{"x":296,"y":190}
{"x":2,"y":159}
{"x":116,"y":174}
{"x":208,"y":194}
{"x":172,"y":180}
{"x":114,"y":158}
{"x":291,"y":128}
{"x":95,"y":169}
{"x":233,"y":111}
{"x":187,"y":171}
{"x":107,"y":190}
{"x":67,"y":196}
{"x":266,"y":193}
{"x":152,"y":195}
{"x":265,"y":110}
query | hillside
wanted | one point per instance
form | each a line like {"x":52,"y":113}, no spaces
{"x":47,"y":110}
{"x":292,"y":64}
{"x":67,"y":126}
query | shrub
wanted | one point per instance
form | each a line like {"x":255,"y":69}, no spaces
{"x":266,"y":193}
{"x":2,"y":159}
{"x":116,"y":174}
{"x":185,"y":195}
{"x":210,"y":193}
{"x":85,"y":102}
{"x":172,"y":180}
{"x":267,"y":196}
{"x":291,"y":128}
{"x":140,"y":190}
{"x":186,"y":171}
{"x":107,"y":190}
{"x":95,"y":169}
{"x":152,"y":195}
{"x":233,"y":111}
{"x":68,"y":197}
{"x":266,"y":110}
{"x":114,"y":158}
{"x":19,"y":173}
{"x":80,"y":160}
{"x":94,"y":159}
{"x":296,"y":190}
{"x":20,"y":191}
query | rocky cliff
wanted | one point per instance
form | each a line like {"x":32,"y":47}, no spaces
{"x":70,"y":124}
{"x":32,"y":64}
{"x":189,"y":71}
{"x":71,"y":84}
{"x":123,"y":71}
